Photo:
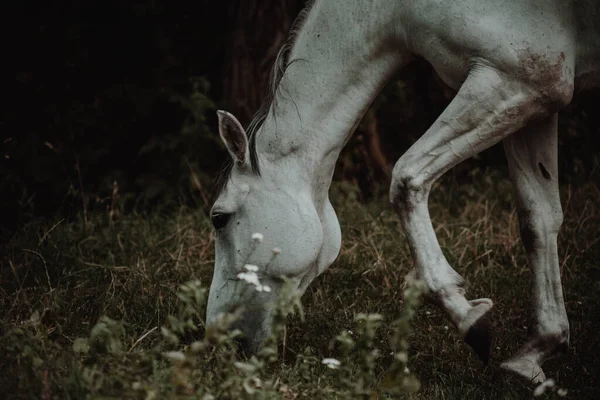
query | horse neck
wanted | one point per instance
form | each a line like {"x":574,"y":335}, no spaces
{"x":341,"y":58}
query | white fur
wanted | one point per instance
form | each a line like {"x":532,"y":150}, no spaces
{"x":513,"y":66}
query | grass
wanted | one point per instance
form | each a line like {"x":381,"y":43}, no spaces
{"x":59,"y":280}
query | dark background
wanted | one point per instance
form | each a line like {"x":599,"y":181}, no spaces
{"x":108,"y":99}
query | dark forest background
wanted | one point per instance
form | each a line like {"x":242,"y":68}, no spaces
{"x":114,"y":102}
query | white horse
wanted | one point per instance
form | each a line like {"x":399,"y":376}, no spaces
{"x":513,"y":66}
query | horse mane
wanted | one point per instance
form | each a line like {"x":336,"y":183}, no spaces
{"x":282,"y":62}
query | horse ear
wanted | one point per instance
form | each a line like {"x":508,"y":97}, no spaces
{"x":234,"y":137}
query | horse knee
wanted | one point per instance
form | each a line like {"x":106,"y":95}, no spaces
{"x":554,"y":94}
{"x":408,"y":188}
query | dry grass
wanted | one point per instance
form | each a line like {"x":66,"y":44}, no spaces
{"x":68,"y":277}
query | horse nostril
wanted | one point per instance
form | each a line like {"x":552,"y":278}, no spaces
{"x":243,"y":346}
{"x":249,"y":323}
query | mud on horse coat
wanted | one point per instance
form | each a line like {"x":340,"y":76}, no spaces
{"x":513,"y":66}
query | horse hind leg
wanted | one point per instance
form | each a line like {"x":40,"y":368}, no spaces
{"x":488,"y":107}
{"x":532,"y":161}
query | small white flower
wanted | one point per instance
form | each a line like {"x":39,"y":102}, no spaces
{"x":562,"y":392}
{"x":446,"y":327}
{"x":276,"y":250}
{"x":251,"y":267}
{"x":406,"y":370}
{"x":257,"y":237}
{"x":250,"y":277}
{"x":263,"y":288}
{"x":427,"y":312}
{"x":541,"y":388}
{"x":331,"y":363}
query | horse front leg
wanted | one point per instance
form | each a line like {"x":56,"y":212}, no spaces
{"x":533,"y":167}
{"x":489,"y":106}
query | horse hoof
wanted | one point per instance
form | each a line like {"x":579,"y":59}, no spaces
{"x":524,"y":368}
{"x":479,"y":333}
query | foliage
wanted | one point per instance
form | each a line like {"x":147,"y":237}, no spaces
{"x":101,"y":312}
{"x":186,"y":359}
{"x":207,"y":368}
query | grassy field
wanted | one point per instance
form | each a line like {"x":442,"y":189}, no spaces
{"x":60,"y":279}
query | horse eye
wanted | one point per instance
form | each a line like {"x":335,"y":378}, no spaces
{"x":219,"y":220}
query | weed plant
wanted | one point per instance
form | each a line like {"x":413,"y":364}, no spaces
{"x":114,"y":308}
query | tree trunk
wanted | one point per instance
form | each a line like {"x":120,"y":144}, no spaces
{"x":260,"y":28}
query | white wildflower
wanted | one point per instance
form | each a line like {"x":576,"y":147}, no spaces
{"x":406,"y":370}
{"x":276,"y":250}
{"x":257,"y":237}
{"x":541,"y":388}
{"x":251,"y":267}
{"x":250,"y":277}
{"x":562,"y":392}
{"x":263,"y":288}
{"x":331,"y":363}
